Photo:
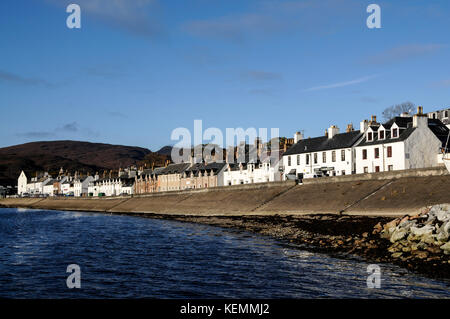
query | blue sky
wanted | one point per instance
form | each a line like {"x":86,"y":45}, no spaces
{"x":136,"y":70}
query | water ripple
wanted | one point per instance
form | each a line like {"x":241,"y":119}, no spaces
{"x":131,"y":257}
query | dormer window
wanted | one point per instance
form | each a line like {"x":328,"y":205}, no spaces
{"x":382,"y":136}
{"x":394,"y":132}
{"x":369,"y":136}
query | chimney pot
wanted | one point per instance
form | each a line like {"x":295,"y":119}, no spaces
{"x":419,"y":110}
{"x":298,"y":136}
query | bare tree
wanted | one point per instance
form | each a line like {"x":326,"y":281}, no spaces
{"x":396,"y":110}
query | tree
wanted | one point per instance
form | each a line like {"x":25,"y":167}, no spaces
{"x":396,"y":110}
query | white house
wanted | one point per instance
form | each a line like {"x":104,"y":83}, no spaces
{"x":442,"y":115}
{"x":249,"y":173}
{"x":80,"y":186}
{"x":111,"y":187}
{"x":36,"y":185}
{"x":332,"y":154}
{"x":22,"y":182}
{"x":48,"y":188}
{"x":404,"y":142}
{"x":67,"y":186}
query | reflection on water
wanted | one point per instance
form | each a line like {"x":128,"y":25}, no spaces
{"x":122,"y":256}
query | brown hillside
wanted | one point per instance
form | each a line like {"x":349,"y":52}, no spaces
{"x":72,"y":155}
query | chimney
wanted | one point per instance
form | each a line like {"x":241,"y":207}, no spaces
{"x":349,"y":128}
{"x":420,"y":119}
{"x":332,"y":131}
{"x":326,"y":133}
{"x":405,"y":114}
{"x":297,"y":137}
{"x":363,"y":126}
{"x":373,"y":119}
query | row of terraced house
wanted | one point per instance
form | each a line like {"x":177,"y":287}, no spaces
{"x":404,"y":142}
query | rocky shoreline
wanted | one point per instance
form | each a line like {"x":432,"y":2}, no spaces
{"x":374,"y":239}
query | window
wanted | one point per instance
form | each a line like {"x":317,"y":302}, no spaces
{"x":366,"y":169}
{"x":289,"y":160}
{"x":315,"y":158}
{"x":364,"y":154}
{"x":343,"y":155}
{"x":390,"y":167}
{"x":377,"y":169}
{"x":333,"y":156}
{"x":343,"y":172}
{"x":307,"y":159}
{"x":381,"y":135}
{"x":377,"y":152}
{"x":369,"y":136}
{"x":324,"y":157}
{"x":395,"y":132}
{"x":389,"y":151}
{"x":298,"y":159}
{"x":446,"y":114}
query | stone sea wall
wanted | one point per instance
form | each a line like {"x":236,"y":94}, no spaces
{"x":375,"y":197}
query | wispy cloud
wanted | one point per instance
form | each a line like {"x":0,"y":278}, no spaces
{"x":104,"y":71}
{"x":117,"y":114}
{"x":21,"y":80}
{"x":260,"y":91}
{"x":341,"y":84}
{"x":37,"y":134}
{"x":403,"y":52}
{"x":442,"y":84}
{"x":274,"y":17}
{"x":69,"y":127}
{"x":260,"y":75}
{"x":138,"y":17}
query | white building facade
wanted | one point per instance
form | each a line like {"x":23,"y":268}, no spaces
{"x":250,"y":173}
{"x":402,"y":143}
{"x":332,"y":154}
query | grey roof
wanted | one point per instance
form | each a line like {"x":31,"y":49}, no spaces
{"x":439,"y":129}
{"x":201,"y":167}
{"x":406,"y":129}
{"x":175,"y":168}
{"x":323,"y":143}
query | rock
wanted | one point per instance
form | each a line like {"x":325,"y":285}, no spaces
{"x":396,"y":255}
{"x":412,"y":237}
{"x":365,"y":235}
{"x":446,"y":248}
{"x":428,"y":239}
{"x":420,"y":231}
{"x":377,"y":228}
{"x":406,"y":249}
{"x":442,"y":237}
{"x":398,"y":234}
{"x":393,"y":249}
{"x":404,"y":220}
{"x":422,"y":246}
{"x":421,"y":254}
{"x":434,"y":249}
{"x":391,"y":224}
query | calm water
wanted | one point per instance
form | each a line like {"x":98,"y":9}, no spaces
{"x":131,"y":257}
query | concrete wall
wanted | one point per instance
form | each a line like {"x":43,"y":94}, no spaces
{"x":388,"y":193}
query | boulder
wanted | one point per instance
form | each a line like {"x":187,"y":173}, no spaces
{"x":398,"y":234}
{"x":420,"y":231}
{"x":446,"y":248}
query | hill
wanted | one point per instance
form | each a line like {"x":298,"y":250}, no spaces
{"x":71,"y":155}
